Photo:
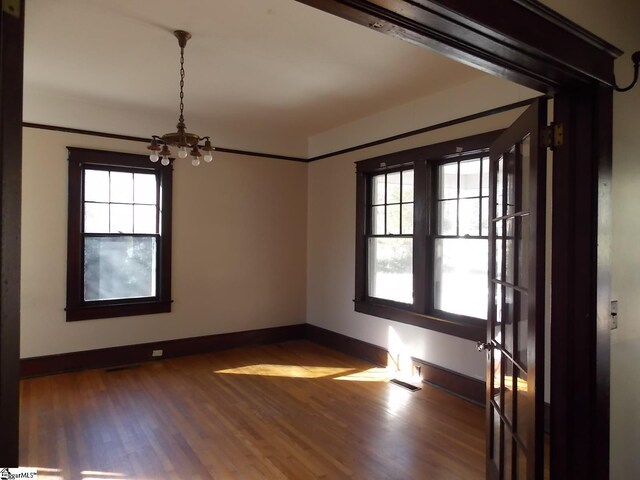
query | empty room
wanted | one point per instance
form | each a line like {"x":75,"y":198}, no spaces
{"x":319,"y":239}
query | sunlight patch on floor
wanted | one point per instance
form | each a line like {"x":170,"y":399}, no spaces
{"x":57,"y":474}
{"x":49,"y":473}
{"x":94,"y":475}
{"x":290,"y":371}
{"x":397,"y":400}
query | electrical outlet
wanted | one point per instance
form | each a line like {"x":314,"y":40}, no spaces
{"x":157,"y":353}
{"x":614,"y":314}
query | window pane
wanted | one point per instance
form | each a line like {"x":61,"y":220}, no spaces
{"x":499,"y":259}
{"x":485,"y":177}
{"x":470,"y":178}
{"x":378,"y":190}
{"x":448,"y":217}
{"x":393,"y":219}
{"x":522,"y":463}
{"x":144,"y":188}
{"x":448,"y":180}
{"x":510,"y":167}
{"x":526,"y":172}
{"x":522,"y":325}
{"x":470,"y":217}
{"x":499,"y":189}
{"x":377,"y":220}
{"x":121,"y":187}
{"x":121,"y":218}
{"x":407,"y":186}
{"x":391,"y":269}
{"x":523,"y":410}
{"x":460,"y":276}
{"x":522,"y":242}
{"x":144,"y":217}
{"x":485,"y":217}
{"x":96,"y":217}
{"x":509,"y":252}
{"x":497,"y":325}
{"x":496,"y":424}
{"x":119,"y":267}
{"x":407,"y":218}
{"x":393,"y":187}
{"x":510,"y":297}
{"x":96,"y":186}
{"x":507,"y":461}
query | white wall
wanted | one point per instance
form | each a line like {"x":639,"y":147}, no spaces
{"x":617,"y":22}
{"x":331,"y":257}
{"x":239,"y":243}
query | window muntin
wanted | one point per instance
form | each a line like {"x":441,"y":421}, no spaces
{"x":460,"y":244}
{"x":390,"y":236}
{"x":119,"y":253}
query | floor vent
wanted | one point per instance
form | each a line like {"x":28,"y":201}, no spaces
{"x":406,"y":385}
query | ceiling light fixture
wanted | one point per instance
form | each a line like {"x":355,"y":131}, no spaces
{"x":181,"y":139}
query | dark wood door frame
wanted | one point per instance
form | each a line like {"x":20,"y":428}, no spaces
{"x":525,"y":42}
{"x":11,"y":61}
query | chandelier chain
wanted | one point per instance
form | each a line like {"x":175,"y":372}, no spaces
{"x":181,"y":120}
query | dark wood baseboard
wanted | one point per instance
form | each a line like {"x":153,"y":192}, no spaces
{"x":130,"y":354}
{"x":458,"y":384}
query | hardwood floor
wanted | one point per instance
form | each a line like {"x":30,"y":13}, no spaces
{"x":289,"y":411}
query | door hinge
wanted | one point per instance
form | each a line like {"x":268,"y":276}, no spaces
{"x":12,"y":7}
{"x":553,"y":135}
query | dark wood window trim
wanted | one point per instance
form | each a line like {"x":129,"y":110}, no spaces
{"x":77,"y":308}
{"x":423,"y":160}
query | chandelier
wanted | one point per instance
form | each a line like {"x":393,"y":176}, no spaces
{"x":185,"y":142}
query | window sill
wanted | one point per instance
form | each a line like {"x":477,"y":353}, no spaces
{"x":469,"y":329}
{"x":93,"y":312}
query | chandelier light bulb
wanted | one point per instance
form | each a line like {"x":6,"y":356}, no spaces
{"x":195,"y":162}
{"x":154,"y":157}
{"x":182,"y":153}
{"x":208,"y":157}
{"x":165,"y":161}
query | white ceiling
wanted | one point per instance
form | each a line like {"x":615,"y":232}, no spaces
{"x":253,"y":65}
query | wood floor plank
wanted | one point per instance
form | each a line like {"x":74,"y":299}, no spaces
{"x":289,"y":411}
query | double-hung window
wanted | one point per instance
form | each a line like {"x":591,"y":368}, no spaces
{"x":119,"y":235}
{"x":422,"y":236}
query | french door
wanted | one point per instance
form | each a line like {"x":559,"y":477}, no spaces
{"x":515,"y":330}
